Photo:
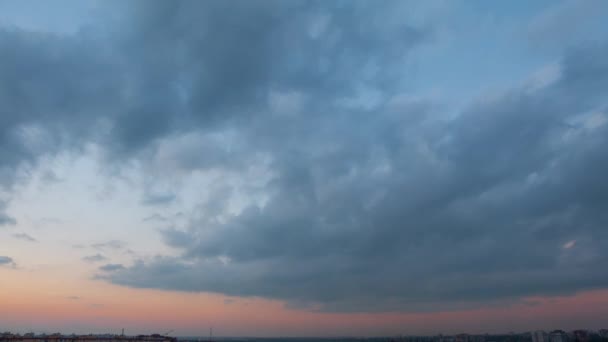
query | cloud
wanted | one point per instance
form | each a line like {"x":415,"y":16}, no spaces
{"x":54,"y":108}
{"x":24,"y":237}
{"x":110,"y":244}
{"x":73,"y":297}
{"x":412,"y":212}
{"x":176,"y":238}
{"x":155,"y":218}
{"x":158,"y":199}
{"x":329,"y":191}
{"x":49,"y":220}
{"x":569,"y":244}
{"x":7,"y":220}
{"x":94,"y":258}
{"x":547,"y":29}
{"x":6,"y":261}
{"x":111,"y":267}
{"x":99,"y":87}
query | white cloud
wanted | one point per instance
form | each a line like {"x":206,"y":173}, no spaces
{"x":569,"y":244}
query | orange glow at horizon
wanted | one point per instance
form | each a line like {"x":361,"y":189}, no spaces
{"x":35,"y":301}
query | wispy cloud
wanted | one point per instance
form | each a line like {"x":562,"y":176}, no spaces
{"x":111,"y":267}
{"x":155,"y":217}
{"x":569,"y":244}
{"x":24,"y":237}
{"x":94,"y":258}
{"x":48,"y":221}
{"x":158,"y":199}
{"x":111,"y":244}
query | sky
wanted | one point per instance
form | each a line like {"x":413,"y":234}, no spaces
{"x":303,"y":168}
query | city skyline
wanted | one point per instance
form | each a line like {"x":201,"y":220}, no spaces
{"x":579,"y":335}
{"x":303,"y":168}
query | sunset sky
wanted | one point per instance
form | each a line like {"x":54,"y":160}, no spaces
{"x":303,"y":168}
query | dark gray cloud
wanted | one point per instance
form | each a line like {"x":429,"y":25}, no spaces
{"x":6,"y":261}
{"x":24,"y":237}
{"x":221,"y":72}
{"x":53,"y":91}
{"x":176,"y":238}
{"x":418,"y":214}
{"x":373,"y":203}
{"x":111,"y":267}
{"x":94,"y":258}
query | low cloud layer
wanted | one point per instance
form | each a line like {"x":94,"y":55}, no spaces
{"x":334,"y":188}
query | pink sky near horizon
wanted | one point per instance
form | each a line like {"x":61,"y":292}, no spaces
{"x":36,"y":302}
